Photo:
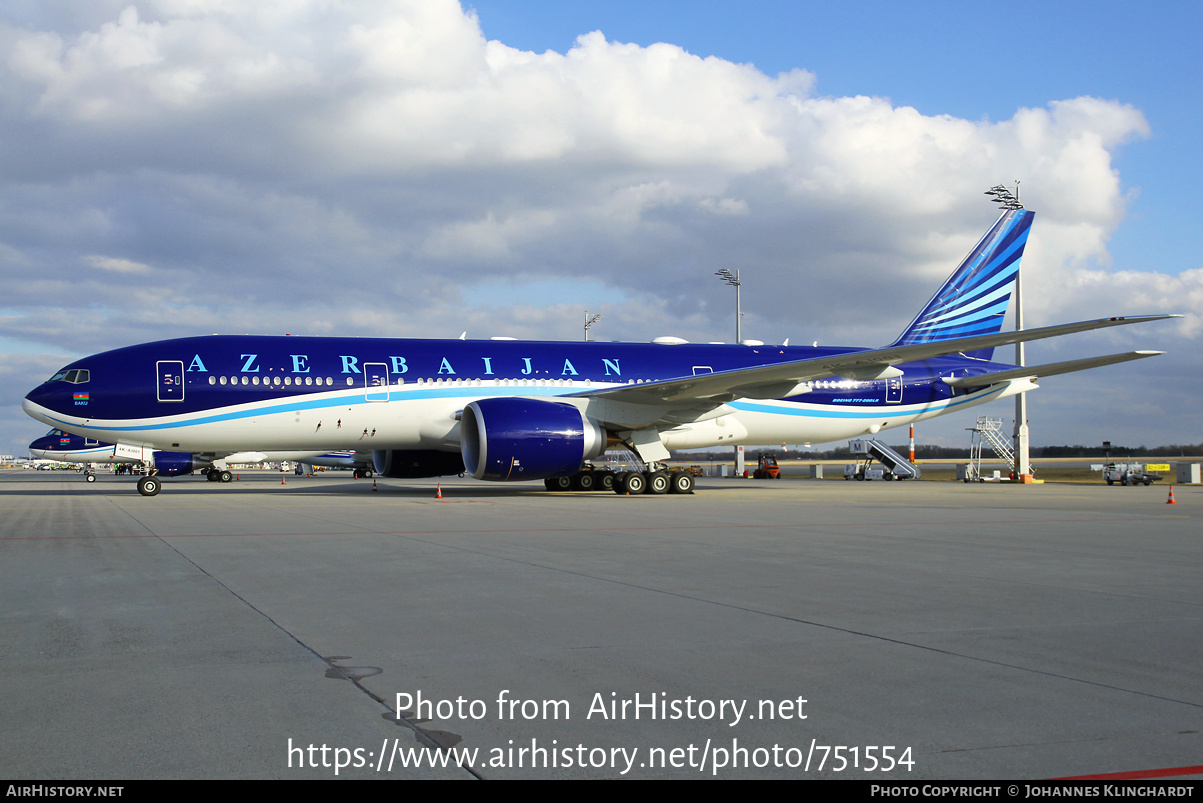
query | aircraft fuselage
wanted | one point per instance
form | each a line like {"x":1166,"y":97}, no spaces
{"x":226,"y":393}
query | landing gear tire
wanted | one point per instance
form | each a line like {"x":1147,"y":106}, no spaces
{"x":149,"y":486}
{"x":657,"y":482}
{"x":225,"y":476}
{"x":680,"y":482}
{"x":558,"y":483}
{"x":604,"y":481}
{"x":631,"y":482}
{"x":583,"y":481}
{"x":90,"y":477}
{"x":213,"y":475}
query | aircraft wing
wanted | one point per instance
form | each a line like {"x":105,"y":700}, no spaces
{"x":778,"y":380}
{"x":1050,"y":369}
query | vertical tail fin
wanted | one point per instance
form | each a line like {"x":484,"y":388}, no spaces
{"x":974,"y":299}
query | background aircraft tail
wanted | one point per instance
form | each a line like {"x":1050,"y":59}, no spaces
{"x":974,"y":299}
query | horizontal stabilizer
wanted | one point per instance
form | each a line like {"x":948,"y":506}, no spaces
{"x":1037,"y":371}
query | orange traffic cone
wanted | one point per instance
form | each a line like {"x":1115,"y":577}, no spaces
{"x":438,"y":494}
{"x":1171,"y":501}
{"x":374,"y":486}
{"x":239,"y":478}
{"x":282,"y":482}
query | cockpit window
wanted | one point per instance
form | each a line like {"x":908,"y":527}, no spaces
{"x":75,"y":377}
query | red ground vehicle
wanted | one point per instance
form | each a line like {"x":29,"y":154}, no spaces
{"x":766,"y":468}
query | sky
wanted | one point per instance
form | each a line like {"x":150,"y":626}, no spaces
{"x":422,"y":168}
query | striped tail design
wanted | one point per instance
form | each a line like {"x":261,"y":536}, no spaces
{"x":974,"y":299}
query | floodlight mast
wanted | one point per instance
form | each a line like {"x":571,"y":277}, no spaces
{"x":732,"y":278}
{"x":589,"y":321}
{"x":1023,"y":465}
{"x":1003,"y":196}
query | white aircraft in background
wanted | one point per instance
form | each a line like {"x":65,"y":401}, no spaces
{"x":58,"y":446}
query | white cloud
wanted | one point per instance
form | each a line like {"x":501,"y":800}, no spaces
{"x":116,"y":264}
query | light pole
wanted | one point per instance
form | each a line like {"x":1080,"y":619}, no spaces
{"x":1023,"y":463}
{"x":589,"y":321}
{"x":732,"y":278}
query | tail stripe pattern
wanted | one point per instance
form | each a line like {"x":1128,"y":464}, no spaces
{"x":974,"y":300}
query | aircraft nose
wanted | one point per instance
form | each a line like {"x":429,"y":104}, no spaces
{"x":42,"y":400}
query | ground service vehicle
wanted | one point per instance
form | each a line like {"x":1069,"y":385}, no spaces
{"x":767,"y":468}
{"x":1128,"y":474}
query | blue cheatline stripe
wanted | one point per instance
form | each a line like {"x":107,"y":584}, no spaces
{"x":804,"y":412}
{"x":319,"y":404}
{"x":876,"y":413}
{"x":77,"y":453}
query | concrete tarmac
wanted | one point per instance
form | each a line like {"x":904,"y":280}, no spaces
{"x":766,"y":629}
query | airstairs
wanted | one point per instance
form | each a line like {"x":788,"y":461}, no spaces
{"x":988,"y":433}
{"x":896,"y":466}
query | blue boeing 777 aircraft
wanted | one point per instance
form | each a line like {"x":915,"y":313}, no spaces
{"x":507,"y":410}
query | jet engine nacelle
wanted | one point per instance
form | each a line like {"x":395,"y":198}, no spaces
{"x":526,"y":439}
{"x":414,"y":464}
{"x":173,"y":464}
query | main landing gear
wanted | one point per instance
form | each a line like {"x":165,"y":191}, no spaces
{"x":214,"y":475}
{"x":653,"y":481}
{"x":149,"y":486}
